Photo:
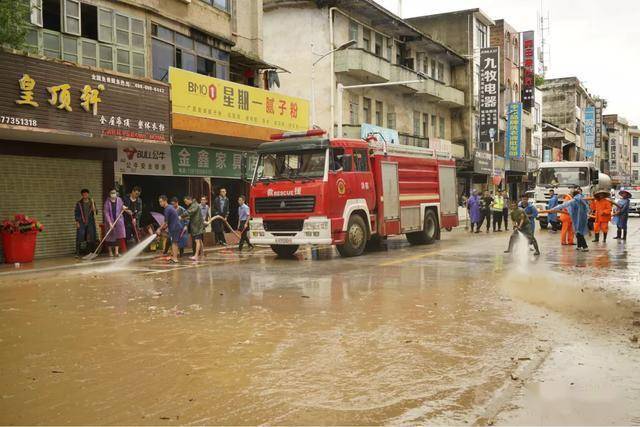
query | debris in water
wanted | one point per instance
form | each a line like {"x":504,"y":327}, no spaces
{"x":165,"y":418}
{"x":514,"y":377}
{"x":636,"y":323}
{"x":634,"y":338}
{"x":524,"y":358}
{"x":420,"y":305}
{"x":57,"y":372}
{"x":305,"y":296}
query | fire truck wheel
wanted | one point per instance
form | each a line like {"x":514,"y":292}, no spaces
{"x":356,"y":238}
{"x":284,"y":251}
{"x":429,"y":233}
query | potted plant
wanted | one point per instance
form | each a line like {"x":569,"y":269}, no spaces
{"x":19,"y":238}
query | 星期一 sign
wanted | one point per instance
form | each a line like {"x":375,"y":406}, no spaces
{"x":210,"y":162}
{"x":207,"y":97}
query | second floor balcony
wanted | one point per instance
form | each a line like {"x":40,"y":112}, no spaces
{"x":369,"y":68}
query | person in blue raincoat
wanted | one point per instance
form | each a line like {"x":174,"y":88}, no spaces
{"x":530,"y":210}
{"x":552,"y":218}
{"x":184,"y":223}
{"x":473,"y":206}
{"x":622,"y":215}
{"x":578,"y":210}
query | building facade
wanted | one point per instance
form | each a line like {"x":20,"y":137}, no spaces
{"x":565,"y":101}
{"x":634,"y":136}
{"x":87,"y":104}
{"x":386,"y":49}
{"x":619,"y":149}
{"x":466,"y":31}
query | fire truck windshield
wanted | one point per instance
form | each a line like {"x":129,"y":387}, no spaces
{"x":290,"y":165}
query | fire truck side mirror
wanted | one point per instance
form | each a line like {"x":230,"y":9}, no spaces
{"x":346,"y":162}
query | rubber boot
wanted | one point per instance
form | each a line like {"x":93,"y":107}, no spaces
{"x":604,"y":237}
{"x":597,"y":239}
{"x":624,"y":234}
{"x":618,"y":233}
{"x":535,"y":246}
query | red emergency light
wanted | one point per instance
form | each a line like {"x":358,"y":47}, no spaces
{"x":310,"y":132}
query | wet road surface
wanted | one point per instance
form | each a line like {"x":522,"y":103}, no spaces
{"x":451,"y":333}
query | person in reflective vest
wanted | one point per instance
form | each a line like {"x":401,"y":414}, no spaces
{"x":496,"y":208}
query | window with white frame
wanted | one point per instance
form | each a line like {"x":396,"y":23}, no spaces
{"x":354,"y":109}
{"x":354,"y":31}
{"x":379,"y":113}
{"x":172,"y":49}
{"x":391,"y":117}
{"x":87,"y":34}
{"x":481,"y":35}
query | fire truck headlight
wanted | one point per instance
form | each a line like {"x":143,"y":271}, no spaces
{"x":316,"y":225}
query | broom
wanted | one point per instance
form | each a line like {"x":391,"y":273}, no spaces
{"x":95,"y":253}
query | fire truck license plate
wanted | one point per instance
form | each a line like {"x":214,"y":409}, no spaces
{"x":284,"y":240}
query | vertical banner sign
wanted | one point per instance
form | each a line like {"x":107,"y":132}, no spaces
{"x":489,"y":94}
{"x":598,"y":142}
{"x":514,"y":131}
{"x":589,"y":131}
{"x":529,"y":62}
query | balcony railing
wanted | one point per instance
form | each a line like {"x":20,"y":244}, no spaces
{"x":362,"y":64}
{"x":368,"y":67}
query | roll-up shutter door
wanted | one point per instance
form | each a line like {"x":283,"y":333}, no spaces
{"x":48,"y":189}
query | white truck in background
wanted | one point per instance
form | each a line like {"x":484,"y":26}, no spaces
{"x":564,"y":177}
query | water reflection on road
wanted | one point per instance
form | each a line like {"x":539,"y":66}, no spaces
{"x":406,"y":335}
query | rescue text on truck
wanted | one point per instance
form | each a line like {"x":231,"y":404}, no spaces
{"x":311,"y":190}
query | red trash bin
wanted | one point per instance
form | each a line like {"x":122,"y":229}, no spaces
{"x":19,"y":247}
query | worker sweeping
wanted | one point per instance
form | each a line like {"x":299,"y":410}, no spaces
{"x":566,"y":234}
{"x":601,"y":207}
{"x":622,"y":214}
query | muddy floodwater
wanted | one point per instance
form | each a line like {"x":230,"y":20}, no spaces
{"x":452,"y":333}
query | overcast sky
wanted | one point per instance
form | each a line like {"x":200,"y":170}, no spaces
{"x":597,"y":41}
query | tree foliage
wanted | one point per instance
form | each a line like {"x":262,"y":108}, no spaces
{"x":14,"y":22}
{"x":539,"y":80}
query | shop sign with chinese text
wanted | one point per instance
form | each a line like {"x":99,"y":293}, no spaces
{"x":598,"y":138}
{"x":489,"y":94}
{"x":202,"y":96}
{"x":528,"y":62}
{"x":209,"y":162}
{"x":589,"y":132}
{"x":514,"y":131}
{"x":62,"y":98}
{"x":144,"y":159}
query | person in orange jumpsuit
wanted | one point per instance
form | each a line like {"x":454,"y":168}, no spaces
{"x":566,"y":235}
{"x":601,"y":206}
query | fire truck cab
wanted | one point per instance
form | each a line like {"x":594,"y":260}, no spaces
{"x":311,"y":190}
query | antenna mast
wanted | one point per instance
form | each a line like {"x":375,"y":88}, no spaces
{"x":543,"y":50}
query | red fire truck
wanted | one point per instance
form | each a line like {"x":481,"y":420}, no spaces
{"x":311,"y":190}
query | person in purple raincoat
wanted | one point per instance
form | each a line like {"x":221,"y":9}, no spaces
{"x":473,"y":206}
{"x":113,"y":206}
